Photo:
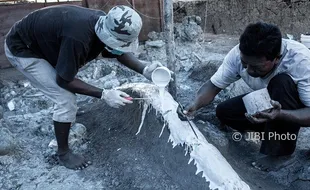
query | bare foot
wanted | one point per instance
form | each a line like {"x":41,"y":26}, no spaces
{"x":73,"y":161}
{"x":272,"y":163}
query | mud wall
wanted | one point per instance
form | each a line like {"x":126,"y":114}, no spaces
{"x":231,"y":16}
{"x":9,"y":14}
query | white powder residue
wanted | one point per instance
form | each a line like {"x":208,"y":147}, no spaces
{"x":162,"y":130}
{"x":145,"y":106}
{"x":206,"y":157}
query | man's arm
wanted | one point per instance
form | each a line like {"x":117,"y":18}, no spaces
{"x":130,"y":61}
{"x":300,"y":116}
{"x":204,"y":96}
{"x":79,"y":87}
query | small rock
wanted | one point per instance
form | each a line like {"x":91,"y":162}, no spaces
{"x":106,"y":173}
{"x":97,"y":72}
{"x":111,"y":84}
{"x":154,"y":35}
{"x":182,"y":57}
{"x":198,"y":20}
{"x":116,"y":183}
{"x":143,"y":56}
{"x":237,"y":88}
{"x":201,"y":122}
{"x":7,"y":96}
{"x":23,"y":83}
{"x":13,"y":93}
{"x":7,"y":141}
{"x":45,"y":129}
{"x":187,"y":65}
{"x":190,"y":29}
{"x":156,"y":44}
{"x":1,"y":112}
{"x":53,"y":144}
{"x":78,"y":130}
{"x":77,"y":134}
{"x":11,"y":105}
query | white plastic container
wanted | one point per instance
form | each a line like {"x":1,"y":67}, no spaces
{"x":257,"y":101}
{"x":161,"y":76}
{"x":305,"y":39}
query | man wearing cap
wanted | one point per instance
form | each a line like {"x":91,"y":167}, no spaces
{"x":50,"y":45}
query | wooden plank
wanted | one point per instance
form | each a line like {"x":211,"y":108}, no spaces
{"x":11,"y":13}
{"x":150,"y":13}
{"x":171,"y":61}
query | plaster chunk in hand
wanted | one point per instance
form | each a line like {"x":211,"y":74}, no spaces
{"x":257,"y":101}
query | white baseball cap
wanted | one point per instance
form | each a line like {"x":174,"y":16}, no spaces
{"x":120,"y":28}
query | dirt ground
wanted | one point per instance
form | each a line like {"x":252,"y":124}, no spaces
{"x":121,"y":159}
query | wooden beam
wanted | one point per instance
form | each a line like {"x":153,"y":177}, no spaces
{"x":168,"y":29}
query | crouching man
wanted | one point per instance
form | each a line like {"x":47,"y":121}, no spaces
{"x":263,"y":59}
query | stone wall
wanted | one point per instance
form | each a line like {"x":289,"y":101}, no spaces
{"x":231,"y":16}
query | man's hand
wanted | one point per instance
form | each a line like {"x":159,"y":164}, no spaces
{"x":262,"y":117}
{"x":148,"y":70}
{"x":190,"y":110}
{"x":186,"y":113}
{"x":115,"y":98}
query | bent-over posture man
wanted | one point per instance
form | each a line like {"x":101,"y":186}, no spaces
{"x":50,"y":45}
{"x":263,"y":59}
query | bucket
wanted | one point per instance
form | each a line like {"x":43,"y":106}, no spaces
{"x":257,"y":101}
{"x":161,"y":76}
{"x":305,"y":39}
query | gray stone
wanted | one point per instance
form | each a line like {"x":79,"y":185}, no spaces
{"x":237,"y":88}
{"x":1,"y":112}
{"x":192,"y":32}
{"x":198,"y":20}
{"x":215,"y":135}
{"x":77,"y":134}
{"x":303,"y":141}
{"x":155,"y":36}
{"x":97,"y":72}
{"x":111,"y":84}
{"x":7,"y":142}
{"x":11,"y":105}
{"x":203,"y":72}
{"x":187,"y":64}
{"x":189,"y":30}
{"x":156,"y":44}
{"x":78,"y":130}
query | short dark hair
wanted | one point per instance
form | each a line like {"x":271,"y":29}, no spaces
{"x":261,"y":39}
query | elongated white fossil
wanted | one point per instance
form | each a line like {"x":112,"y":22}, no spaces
{"x":206,"y":157}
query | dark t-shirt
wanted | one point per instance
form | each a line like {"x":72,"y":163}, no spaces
{"x":63,"y":35}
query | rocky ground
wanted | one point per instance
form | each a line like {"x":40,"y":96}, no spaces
{"x":27,"y":143}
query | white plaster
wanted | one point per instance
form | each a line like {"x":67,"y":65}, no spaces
{"x":162,"y":130}
{"x":11,"y":105}
{"x":206,"y":157}
{"x":145,"y":106}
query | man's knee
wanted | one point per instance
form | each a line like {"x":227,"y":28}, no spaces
{"x":280,"y":81}
{"x":66,"y":108}
{"x":283,"y":89}
{"x":220,"y":111}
